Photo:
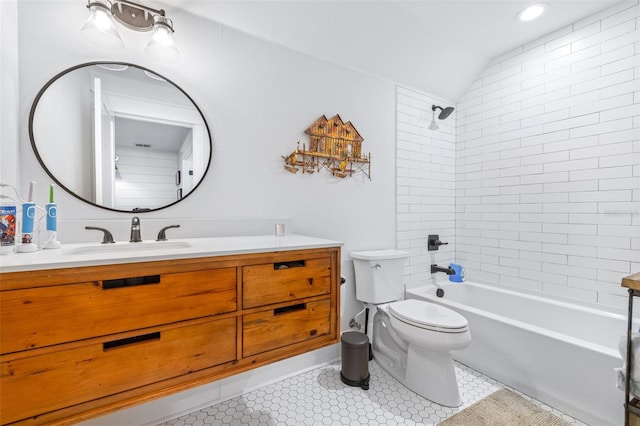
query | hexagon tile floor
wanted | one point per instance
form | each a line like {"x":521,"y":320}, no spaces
{"x":319,"y":397}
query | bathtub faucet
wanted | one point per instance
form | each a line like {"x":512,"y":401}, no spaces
{"x":435,"y":268}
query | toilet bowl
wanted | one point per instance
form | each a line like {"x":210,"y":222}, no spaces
{"x":429,"y":325}
{"x":412,"y":339}
{"x":431,"y":332}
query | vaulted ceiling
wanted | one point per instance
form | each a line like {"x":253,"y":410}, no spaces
{"x":437,"y":46}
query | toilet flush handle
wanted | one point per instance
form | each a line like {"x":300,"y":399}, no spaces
{"x":376,"y":266}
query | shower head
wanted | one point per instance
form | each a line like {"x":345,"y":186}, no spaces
{"x":444,"y":112}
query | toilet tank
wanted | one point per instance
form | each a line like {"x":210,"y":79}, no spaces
{"x":379,"y":274}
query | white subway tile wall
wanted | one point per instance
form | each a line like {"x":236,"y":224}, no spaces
{"x":542,"y":167}
{"x":425,"y":183}
{"x":558,"y":209}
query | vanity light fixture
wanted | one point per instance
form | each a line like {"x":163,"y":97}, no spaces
{"x":532,"y":12}
{"x":100,"y":28}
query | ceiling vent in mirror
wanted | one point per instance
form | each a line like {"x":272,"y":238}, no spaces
{"x":100,"y":28}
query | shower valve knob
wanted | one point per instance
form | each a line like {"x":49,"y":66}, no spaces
{"x":434,"y":242}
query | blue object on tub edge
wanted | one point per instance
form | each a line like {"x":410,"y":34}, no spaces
{"x":459,"y":275}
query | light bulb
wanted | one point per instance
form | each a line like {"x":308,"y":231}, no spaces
{"x":162,"y":47}
{"x":100,"y":29}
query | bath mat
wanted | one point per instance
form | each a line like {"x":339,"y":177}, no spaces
{"x":504,"y":408}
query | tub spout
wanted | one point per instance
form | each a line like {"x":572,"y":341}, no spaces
{"x":435,"y":268}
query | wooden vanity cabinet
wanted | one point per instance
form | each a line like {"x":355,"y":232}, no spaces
{"x":304,"y":283}
{"x":80,"y":342}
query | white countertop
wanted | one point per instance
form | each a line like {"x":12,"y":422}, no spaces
{"x":77,"y":255}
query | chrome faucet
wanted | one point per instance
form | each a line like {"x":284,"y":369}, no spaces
{"x":435,"y":268}
{"x":135,"y":230}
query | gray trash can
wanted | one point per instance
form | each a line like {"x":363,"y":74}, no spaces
{"x":355,"y":359}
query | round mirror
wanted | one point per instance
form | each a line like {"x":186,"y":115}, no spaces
{"x":120,"y":136}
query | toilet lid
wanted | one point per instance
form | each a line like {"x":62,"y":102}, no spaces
{"x":428,"y":315}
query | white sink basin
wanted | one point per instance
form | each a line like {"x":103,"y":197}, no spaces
{"x":122,"y":248}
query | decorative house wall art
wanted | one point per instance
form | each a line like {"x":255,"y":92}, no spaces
{"x":334,"y":146}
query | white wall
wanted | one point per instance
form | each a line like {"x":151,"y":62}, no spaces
{"x":548,"y":162}
{"x":9,"y":164}
{"x":258,"y":99}
{"x":425,"y":184}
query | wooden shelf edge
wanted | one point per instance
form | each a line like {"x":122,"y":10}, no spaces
{"x":633,"y":408}
{"x":632,"y":281}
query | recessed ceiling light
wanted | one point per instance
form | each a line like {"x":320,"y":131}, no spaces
{"x":532,"y":12}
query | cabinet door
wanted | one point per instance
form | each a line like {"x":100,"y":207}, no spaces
{"x":287,"y":280}
{"x":45,"y":316}
{"x":38,"y":384}
{"x":275,"y":328}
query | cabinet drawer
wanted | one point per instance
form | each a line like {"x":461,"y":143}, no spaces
{"x":45,"y":316}
{"x":39,"y":384}
{"x":283,"y":281}
{"x":263,"y":331}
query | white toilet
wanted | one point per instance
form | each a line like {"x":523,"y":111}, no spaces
{"x":412,"y":339}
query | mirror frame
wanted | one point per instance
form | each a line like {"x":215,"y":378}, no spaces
{"x":61,"y":185}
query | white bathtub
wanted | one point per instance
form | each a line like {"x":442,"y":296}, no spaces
{"x":559,"y":353}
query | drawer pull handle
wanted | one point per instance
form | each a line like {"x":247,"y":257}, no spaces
{"x":131,"y":340}
{"x":130,"y":282}
{"x":291,"y":264}
{"x":292,"y":308}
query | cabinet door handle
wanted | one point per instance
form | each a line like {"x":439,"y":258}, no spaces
{"x":291,"y":308}
{"x":131,"y":340}
{"x":130,"y":282}
{"x":289,"y":264}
